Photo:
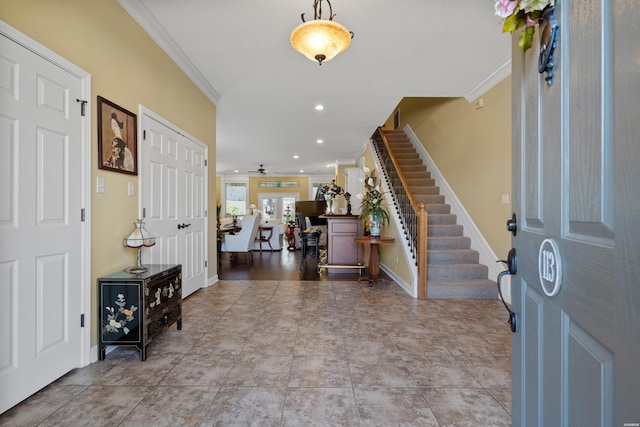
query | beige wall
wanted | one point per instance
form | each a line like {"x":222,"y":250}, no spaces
{"x":129,"y":69}
{"x":472,"y":148}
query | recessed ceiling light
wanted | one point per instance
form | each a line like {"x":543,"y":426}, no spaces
{"x":301,"y":171}
{"x":319,"y":107}
{"x":236,"y":170}
{"x":319,"y":141}
{"x":295,"y":156}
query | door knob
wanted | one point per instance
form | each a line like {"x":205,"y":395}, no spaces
{"x":512,"y":224}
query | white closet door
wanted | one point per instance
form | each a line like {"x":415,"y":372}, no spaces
{"x":41,"y":232}
{"x":173,"y":194}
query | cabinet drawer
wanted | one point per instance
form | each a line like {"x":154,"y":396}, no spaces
{"x":159,"y":293}
{"x":165,"y":318}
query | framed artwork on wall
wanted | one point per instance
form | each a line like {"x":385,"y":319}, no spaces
{"x":117,"y":138}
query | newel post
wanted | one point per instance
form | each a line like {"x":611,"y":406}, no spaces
{"x":422,"y":252}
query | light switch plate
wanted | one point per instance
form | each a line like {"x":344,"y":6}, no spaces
{"x":99,"y":185}
{"x":131,"y":189}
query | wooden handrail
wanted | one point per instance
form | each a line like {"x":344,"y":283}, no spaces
{"x":396,"y":165}
{"x":421,"y":215}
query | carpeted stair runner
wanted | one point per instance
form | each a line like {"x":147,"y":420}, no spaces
{"x":453,"y":270}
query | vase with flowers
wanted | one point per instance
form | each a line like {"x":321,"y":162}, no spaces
{"x":522,"y":13}
{"x":372,"y":211}
{"x":330,"y":191}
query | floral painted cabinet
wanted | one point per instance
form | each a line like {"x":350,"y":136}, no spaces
{"x":135,"y":308}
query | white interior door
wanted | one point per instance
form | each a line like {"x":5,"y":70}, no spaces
{"x":575,"y":182}
{"x":174,"y":199}
{"x":42,"y":248}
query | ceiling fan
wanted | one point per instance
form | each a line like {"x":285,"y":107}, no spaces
{"x":261,"y":170}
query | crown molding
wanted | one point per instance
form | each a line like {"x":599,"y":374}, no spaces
{"x":503,"y":71}
{"x":143,"y":16}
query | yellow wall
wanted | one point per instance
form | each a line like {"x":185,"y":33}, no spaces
{"x":254,"y":189}
{"x":472,"y":148}
{"x":129,"y":69}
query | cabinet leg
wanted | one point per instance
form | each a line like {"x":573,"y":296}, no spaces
{"x":179,"y":322}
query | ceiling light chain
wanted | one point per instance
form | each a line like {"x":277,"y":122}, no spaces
{"x":321,"y":39}
{"x":317,"y":10}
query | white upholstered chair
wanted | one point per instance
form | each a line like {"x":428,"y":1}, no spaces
{"x":243,"y":240}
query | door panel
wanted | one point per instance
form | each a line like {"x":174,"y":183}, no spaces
{"x":568,"y":347}
{"x":41,"y":232}
{"x":173,"y":191}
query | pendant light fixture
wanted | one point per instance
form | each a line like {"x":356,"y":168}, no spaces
{"x":321,"y":39}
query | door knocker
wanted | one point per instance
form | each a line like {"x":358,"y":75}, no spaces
{"x":548,"y":40}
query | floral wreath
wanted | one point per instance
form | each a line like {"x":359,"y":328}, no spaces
{"x":522,"y":13}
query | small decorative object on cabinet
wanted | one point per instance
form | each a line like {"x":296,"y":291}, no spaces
{"x":135,"y":308}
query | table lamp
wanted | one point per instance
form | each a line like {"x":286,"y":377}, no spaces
{"x":138,"y":238}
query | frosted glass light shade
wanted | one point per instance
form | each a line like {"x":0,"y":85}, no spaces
{"x":320,"y":40}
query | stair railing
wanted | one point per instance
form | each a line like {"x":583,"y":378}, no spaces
{"x":412,"y":215}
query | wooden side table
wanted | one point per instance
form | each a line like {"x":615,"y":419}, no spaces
{"x":374,"y":255}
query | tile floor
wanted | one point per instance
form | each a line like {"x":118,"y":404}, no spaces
{"x":298,"y":353}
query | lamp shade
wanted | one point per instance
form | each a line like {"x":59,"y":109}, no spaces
{"x":320,"y":40}
{"x":139,"y":236}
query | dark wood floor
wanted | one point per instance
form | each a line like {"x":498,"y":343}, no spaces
{"x":276,"y":265}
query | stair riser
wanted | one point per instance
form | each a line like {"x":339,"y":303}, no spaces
{"x":457,"y":271}
{"x":481,"y":290}
{"x":430,"y":200}
{"x":438,"y":209}
{"x":460,"y":256}
{"x":417,"y":174}
{"x":444,"y":230}
{"x":445,"y":243}
{"x":441,"y":219}
{"x":425,"y":191}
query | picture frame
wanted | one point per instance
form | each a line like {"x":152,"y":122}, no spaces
{"x":117,"y":138}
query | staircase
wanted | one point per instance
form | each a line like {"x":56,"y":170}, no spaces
{"x":453,"y":268}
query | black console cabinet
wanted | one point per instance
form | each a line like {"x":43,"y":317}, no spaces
{"x":135,"y":308}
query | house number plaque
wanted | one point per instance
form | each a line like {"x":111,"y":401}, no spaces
{"x":550,"y":267}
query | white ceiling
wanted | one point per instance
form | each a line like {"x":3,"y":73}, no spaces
{"x":238,"y":53}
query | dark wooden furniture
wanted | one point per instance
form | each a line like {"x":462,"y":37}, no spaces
{"x":310,"y":245}
{"x":264,"y":236}
{"x":134,"y":308}
{"x":344,"y":255}
{"x":291,"y":236}
{"x":374,"y":255}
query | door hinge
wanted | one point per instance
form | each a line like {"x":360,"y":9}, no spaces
{"x":144,"y":134}
{"x":144,"y":213}
{"x":83,"y":103}
{"x":205,"y":213}
{"x":205,"y":263}
{"x":82,"y":215}
{"x":205,"y":162}
{"x":82,"y":320}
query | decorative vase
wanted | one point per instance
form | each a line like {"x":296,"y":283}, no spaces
{"x":329,"y":210}
{"x":374,"y":225}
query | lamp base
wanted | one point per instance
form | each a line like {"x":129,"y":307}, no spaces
{"x":136,"y":269}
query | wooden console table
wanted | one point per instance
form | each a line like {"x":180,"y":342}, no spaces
{"x":374,"y":255}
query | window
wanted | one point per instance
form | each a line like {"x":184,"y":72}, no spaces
{"x":278,"y":206}
{"x":235,"y":198}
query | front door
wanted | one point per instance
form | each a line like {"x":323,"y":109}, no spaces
{"x":576,"y":293}
{"x":173,"y":187}
{"x":42,"y":249}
